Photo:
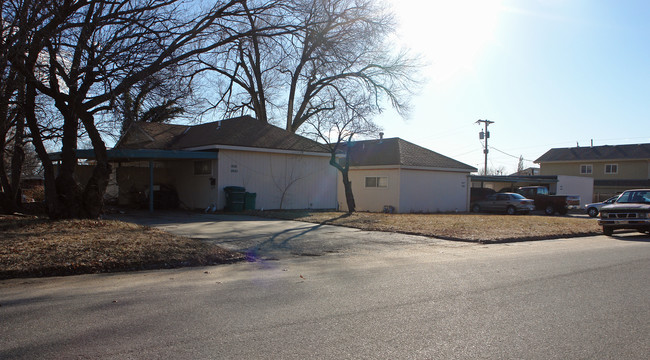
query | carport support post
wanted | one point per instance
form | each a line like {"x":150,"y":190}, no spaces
{"x":150,"y":186}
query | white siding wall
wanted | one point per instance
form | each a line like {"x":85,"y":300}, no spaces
{"x":296,"y":181}
{"x":576,"y":185}
{"x":433,"y":191}
{"x":371,"y":199}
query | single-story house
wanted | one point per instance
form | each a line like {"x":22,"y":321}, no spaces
{"x":613,"y":168}
{"x":197,"y":162}
{"x":396,"y":175}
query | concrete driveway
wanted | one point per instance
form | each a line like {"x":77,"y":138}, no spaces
{"x":275,"y":239}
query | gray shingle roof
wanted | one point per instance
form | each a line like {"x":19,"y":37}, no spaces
{"x":243,"y":131}
{"x":395,"y":151}
{"x":150,"y":136}
{"x":606,"y":152}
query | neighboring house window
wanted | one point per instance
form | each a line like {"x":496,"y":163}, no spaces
{"x":611,"y":169}
{"x":376,"y":181}
{"x":585,"y":169}
{"x":203,"y":167}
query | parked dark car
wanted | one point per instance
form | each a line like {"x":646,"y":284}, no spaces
{"x":593,"y":209}
{"x":478,"y":194}
{"x":630,"y":211}
{"x":510,"y":203}
{"x":550,"y":203}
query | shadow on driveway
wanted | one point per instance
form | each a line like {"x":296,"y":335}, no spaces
{"x":265,"y":238}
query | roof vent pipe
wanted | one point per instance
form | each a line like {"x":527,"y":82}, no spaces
{"x":381,"y":135}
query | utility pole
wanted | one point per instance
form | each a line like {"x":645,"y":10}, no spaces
{"x":485,"y":135}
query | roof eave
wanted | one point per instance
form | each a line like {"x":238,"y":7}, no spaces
{"x":538,"y":161}
{"x":403,"y":167}
{"x":265,"y":150}
{"x":140,"y":154}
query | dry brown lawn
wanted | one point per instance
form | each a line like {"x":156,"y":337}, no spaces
{"x":36,"y":247}
{"x":32,"y":247}
{"x":463,"y":227}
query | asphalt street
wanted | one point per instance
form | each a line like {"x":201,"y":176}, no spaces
{"x":583,"y":298}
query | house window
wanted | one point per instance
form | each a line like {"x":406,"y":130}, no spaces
{"x":203,"y":167}
{"x":376,"y":181}
{"x":611,"y":169}
{"x":586,"y":169}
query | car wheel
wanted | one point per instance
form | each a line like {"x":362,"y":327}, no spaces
{"x":592,"y":211}
{"x":608,"y":230}
{"x":476,"y":208}
{"x":549,"y":210}
{"x":511,"y":210}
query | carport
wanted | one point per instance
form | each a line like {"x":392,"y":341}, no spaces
{"x":556,"y":184}
{"x":138,"y":155}
{"x":499,"y":182}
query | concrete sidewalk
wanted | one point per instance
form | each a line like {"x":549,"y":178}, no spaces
{"x":274,"y":239}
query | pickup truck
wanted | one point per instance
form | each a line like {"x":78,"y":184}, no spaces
{"x":630,"y":211}
{"x":550,"y":203}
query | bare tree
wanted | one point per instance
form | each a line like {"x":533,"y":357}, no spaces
{"x":95,"y":51}
{"x":247,"y":75}
{"x":311,"y":53}
{"x":328,"y":61}
{"x":337,"y":130}
{"x":493,"y":171}
{"x":341,"y":52}
{"x":158,"y":98}
{"x":12,"y":118}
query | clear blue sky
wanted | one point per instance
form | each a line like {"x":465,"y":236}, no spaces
{"x":549,"y":73}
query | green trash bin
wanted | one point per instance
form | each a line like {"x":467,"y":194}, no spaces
{"x":235,"y":196}
{"x":249,"y":201}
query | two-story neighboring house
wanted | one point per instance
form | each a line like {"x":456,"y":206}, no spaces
{"x":614,"y":168}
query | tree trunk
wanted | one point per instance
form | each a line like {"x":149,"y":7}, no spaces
{"x":349,"y":197}
{"x":51,"y":194}
{"x":67,"y":188}
{"x":93,"y":195}
{"x":8,"y":204}
{"x":17,"y":160}
{"x":347,"y":184}
{"x":18,"y":154}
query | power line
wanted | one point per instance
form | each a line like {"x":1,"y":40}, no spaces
{"x":513,"y":156}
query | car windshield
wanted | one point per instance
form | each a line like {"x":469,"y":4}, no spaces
{"x":517,"y":196}
{"x":635,"y":196}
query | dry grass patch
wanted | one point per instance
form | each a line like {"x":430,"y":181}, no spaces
{"x":464,"y":227}
{"x":37,"y":247}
